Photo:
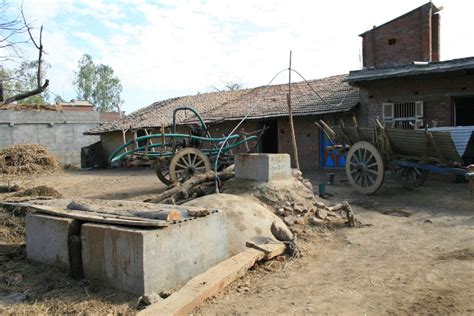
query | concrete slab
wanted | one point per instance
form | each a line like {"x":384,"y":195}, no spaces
{"x":47,"y":238}
{"x":143,"y":261}
{"x":262,"y":167}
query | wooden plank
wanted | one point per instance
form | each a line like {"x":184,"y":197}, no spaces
{"x":209,"y":283}
{"x":97,"y":217}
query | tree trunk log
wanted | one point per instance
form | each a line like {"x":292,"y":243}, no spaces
{"x":186,"y":189}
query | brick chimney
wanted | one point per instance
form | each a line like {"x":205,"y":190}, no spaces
{"x":414,"y":36}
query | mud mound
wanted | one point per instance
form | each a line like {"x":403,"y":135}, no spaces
{"x":247,"y":219}
{"x":272,"y":193}
{"x":27,"y":159}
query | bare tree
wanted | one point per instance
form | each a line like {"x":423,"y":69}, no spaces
{"x":12,"y":34}
{"x":229,"y":86}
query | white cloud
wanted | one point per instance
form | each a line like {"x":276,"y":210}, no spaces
{"x":169,"y":48}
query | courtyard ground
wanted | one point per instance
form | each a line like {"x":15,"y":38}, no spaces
{"x":412,"y":254}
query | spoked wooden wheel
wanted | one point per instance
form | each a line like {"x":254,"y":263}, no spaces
{"x":365,"y":168}
{"x":163,"y":170}
{"x":188,"y":162}
{"x":410,"y":177}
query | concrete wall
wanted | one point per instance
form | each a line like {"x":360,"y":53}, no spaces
{"x":416,"y":36}
{"x":436,"y":93}
{"x":262,"y":167}
{"x":47,"y":239}
{"x":60,"y":132}
{"x":143,"y":261}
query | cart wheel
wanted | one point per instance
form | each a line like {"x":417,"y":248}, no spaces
{"x":187,"y":162}
{"x":365,"y":168}
{"x":163,"y":171}
{"x":409,"y":177}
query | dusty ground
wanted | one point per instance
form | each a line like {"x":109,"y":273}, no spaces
{"x":414,"y":255}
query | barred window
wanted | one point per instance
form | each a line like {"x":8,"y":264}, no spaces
{"x":408,"y":115}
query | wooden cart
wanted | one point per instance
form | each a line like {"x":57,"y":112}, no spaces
{"x":179,"y":156}
{"x":409,"y":154}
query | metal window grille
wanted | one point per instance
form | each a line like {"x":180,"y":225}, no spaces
{"x":407,"y":115}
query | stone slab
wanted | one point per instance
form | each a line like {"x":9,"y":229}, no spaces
{"x":143,"y":261}
{"x":47,"y":238}
{"x":262,"y":167}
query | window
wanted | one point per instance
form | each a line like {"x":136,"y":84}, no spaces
{"x":392,"y":41}
{"x":403,"y":115}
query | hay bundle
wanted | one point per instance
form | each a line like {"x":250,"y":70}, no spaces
{"x":27,"y":159}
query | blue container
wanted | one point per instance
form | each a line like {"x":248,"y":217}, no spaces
{"x":322,"y":188}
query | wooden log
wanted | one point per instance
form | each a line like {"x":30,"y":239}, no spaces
{"x":162,"y":214}
{"x":185,"y":188}
{"x":209,"y":283}
{"x":166,"y":215}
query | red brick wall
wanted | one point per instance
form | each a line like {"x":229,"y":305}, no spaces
{"x":435,"y":37}
{"x":220,"y":129}
{"x":436,"y":93}
{"x":307,"y":136}
{"x":417,"y":39}
{"x":307,"y":140}
{"x":77,"y":108}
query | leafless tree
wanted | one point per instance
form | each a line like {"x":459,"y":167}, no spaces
{"x":229,"y":86}
{"x":13,"y":33}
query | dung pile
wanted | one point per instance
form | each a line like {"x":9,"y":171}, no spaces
{"x":27,"y":159}
{"x":41,"y":190}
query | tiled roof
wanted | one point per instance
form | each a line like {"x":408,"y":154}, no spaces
{"x":337,"y":96}
{"x":232,"y":105}
{"x":414,"y":69}
{"x":161,"y":112}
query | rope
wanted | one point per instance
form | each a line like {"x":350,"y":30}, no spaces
{"x":324,"y":101}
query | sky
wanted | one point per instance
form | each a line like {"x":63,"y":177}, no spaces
{"x":169,"y":48}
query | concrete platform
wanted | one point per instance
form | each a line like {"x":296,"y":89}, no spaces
{"x":143,"y":261}
{"x":135,"y":259}
{"x":262,"y":167}
{"x":47,"y":239}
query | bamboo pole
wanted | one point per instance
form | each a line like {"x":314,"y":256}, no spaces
{"x":290,"y":116}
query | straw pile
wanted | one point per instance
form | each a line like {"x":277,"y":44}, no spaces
{"x":27,"y":159}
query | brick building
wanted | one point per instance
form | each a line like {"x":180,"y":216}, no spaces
{"x":403,"y":81}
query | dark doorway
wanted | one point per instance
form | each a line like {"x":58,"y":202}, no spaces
{"x":141,"y":133}
{"x":464,"y":111}
{"x":269,"y":141}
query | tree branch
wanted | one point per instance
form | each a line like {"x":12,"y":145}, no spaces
{"x":27,"y":94}
{"x":40,"y":88}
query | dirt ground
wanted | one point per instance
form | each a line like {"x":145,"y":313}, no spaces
{"x":413,"y":254}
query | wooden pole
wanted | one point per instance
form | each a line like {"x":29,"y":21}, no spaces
{"x":124,"y":136}
{"x":290,"y":116}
